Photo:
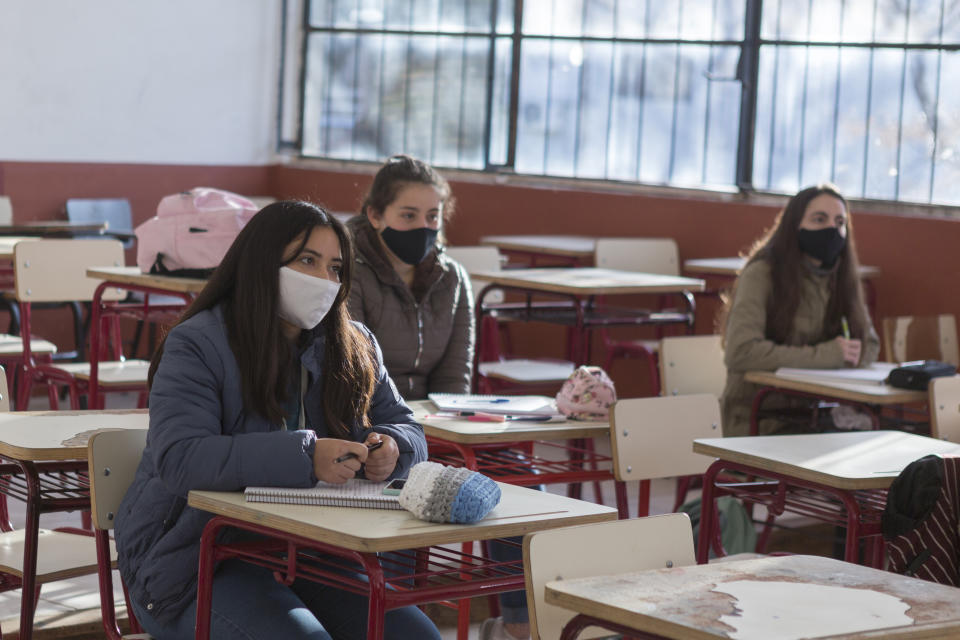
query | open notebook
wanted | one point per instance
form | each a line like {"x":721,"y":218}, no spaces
{"x":506,"y":405}
{"x":874,"y":374}
{"x":353,"y":493}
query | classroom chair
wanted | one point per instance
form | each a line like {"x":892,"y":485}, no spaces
{"x":692,"y":364}
{"x":6,"y":210}
{"x":113,"y":460}
{"x":598,"y":549}
{"x":117,"y":214}
{"x":114,"y":211}
{"x":496,"y":373}
{"x":653,"y":438}
{"x":907,"y":338}
{"x":647,"y":255}
{"x":61,"y":554}
{"x":54,"y":271}
{"x":944,"y":406}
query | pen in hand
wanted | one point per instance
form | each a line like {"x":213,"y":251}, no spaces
{"x":370,"y":447}
{"x":845,"y":326}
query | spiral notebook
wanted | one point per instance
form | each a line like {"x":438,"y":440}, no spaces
{"x":507,"y":405}
{"x":352,"y":493}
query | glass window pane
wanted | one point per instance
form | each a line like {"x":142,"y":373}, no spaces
{"x":532,"y":112}
{"x":818,"y":116}
{"x":850,"y":154}
{"x":691,"y":112}
{"x":884,"y":125}
{"x":730,"y":19}
{"x":660,"y":69}
{"x":538,"y":17}
{"x":924,"y":24}
{"x":697,"y":19}
{"x":663,"y":19}
{"x":858,"y":19}
{"x":825,"y":20}
{"x":946,"y":181}
{"x":505,"y":9}
{"x":720,"y":164}
{"x":632,"y":18}
{"x":598,"y":18}
{"x":500,"y":116}
{"x":784,"y":98}
{"x":916,"y":137}
{"x":593,"y":118}
{"x":785,"y":20}
{"x":891,"y":21}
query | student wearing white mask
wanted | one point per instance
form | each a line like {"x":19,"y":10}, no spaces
{"x":264,"y":381}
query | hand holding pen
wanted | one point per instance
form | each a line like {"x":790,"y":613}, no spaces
{"x":849,"y":347}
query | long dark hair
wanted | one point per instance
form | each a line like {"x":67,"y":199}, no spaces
{"x":780,"y":247}
{"x":246,"y":285}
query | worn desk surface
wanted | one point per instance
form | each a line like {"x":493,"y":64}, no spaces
{"x":60,"y":435}
{"x":848,"y":460}
{"x":730,"y":267}
{"x":520,"y":511}
{"x":701,"y":602}
{"x":580,"y":247}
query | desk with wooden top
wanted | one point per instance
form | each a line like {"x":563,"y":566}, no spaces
{"x":104,"y":313}
{"x":578,"y":287}
{"x":572,"y":250}
{"x":840,"y":478}
{"x":792,"y":596}
{"x":357,"y":535}
{"x":53,"y":228}
{"x":45,"y":454}
{"x":872,"y":397}
{"x":504,"y":450}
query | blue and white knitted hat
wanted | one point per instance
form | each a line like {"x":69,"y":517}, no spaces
{"x":440,"y":493}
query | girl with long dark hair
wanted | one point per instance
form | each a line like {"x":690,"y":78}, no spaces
{"x":797,"y":303}
{"x":264,"y":381}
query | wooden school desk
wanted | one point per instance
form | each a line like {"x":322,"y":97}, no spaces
{"x":840,"y":478}
{"x":578,"y":287}
{"x":355,"y":536}
{"x":571,"y":250}
{"x":504,"y":450}
{"x":45,"y":454}
{"x":761,"y":599}
{"x":53,"y":228}
{"x":105,"y":315}
{"x":872,"y":397}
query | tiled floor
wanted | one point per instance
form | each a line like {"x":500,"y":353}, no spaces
{"x":68,"y":602}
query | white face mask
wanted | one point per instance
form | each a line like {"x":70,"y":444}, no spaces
{"x":305,"y":300}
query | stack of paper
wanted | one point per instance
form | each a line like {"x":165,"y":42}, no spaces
{"x":505,"y":405}
{"x":874,"y":374}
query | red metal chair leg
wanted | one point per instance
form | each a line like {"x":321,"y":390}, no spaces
{"x":623,"y":506}
{"x":643,"y":499}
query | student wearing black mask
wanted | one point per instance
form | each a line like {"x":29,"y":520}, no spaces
{"x":789,"y":305}
{"x":415,"y":298}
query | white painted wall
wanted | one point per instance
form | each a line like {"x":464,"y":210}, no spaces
{"x":156,"y":81}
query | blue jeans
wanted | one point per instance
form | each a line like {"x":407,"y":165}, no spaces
{"x":249,"y":604}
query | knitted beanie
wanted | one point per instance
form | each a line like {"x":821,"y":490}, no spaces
{"x":440,"y":493}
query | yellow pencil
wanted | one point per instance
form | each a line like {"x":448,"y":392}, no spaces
{"x":846,"y":327}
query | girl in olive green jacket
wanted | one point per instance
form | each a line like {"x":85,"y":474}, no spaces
{"x":790,"y":304}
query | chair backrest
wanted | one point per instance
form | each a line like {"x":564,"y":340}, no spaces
{"x":692,"y":364}
{"x":596,"y":549}
{"x":647,"y":255}
{"x":4,"y":392}
{"x":6,"y":210}
{"x":114,"y":211}
{"x":113,"y":458}
{"x":479,"y":258}
{"x":945,"y":408}
{"x":907,"y":338}
{"x":56,"y":270}
{"x":653,"y":437}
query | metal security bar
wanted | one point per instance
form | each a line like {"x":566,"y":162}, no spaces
{"x":728,"y":94}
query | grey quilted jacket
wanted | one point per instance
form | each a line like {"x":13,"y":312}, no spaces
{"x":426,"y":332}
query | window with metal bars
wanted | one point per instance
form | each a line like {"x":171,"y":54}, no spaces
{"x":769,"y":95}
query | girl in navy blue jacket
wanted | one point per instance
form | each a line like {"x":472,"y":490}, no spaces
{"x":264,"y":381}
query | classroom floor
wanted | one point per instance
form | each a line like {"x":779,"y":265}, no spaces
{"x":71,"y":608}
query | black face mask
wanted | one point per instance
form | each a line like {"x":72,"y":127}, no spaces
{"x":825,"y":245}
{"x":410,"y":246}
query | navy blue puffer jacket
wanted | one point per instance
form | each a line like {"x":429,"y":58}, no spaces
{"x":201,"y":437}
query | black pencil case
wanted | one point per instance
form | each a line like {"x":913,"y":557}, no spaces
{"x":917,"y":375}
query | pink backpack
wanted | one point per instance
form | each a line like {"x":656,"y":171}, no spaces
{"x":191,"y":232}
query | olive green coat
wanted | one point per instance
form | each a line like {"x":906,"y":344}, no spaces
{"x":747,"y":348}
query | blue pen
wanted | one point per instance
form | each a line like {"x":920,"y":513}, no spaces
{"x":487,"y":401}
